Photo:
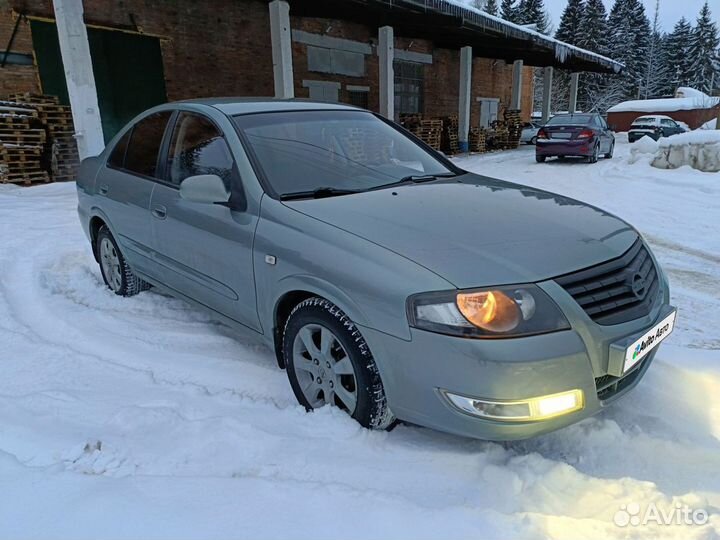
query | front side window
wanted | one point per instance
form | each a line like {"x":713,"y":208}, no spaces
{"x":141,"y":156}
{"x":666,"y":122}
{"x":117,"y":156}
{"x":197,"y":147}
{"x":303,"y":151}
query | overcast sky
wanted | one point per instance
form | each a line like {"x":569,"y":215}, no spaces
{"x":670,"y":10}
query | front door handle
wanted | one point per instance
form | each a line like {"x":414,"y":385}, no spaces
{"x":159,"y":212}
{"x":103,"y":190}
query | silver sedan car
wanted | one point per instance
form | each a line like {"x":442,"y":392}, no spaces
{"x":388,"y":281}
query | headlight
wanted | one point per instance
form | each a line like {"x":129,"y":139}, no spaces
{"x":508,"y":311}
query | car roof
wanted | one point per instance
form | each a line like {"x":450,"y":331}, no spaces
{"x":655,"y":116}
{"x":236,"y":105}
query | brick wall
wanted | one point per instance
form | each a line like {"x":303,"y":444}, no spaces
{"x":14,"y":78}
{"x":213,"y":48}
{"x":218,"y":48}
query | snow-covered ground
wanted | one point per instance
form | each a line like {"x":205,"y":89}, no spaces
{"x":142,"y":418}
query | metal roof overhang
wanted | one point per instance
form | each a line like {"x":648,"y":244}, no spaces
{"x":451,"y":26}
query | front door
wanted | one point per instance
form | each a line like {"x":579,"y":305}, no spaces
{"x":204,"y":250}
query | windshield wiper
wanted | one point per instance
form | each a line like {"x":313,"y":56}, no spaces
{"x":415,"y":179}
{"x":317,"y":193}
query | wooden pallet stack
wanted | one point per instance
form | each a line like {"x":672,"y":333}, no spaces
{"x":450,"y":142}
{"x":61,"y":148}
{"x":514,"y":126}
{"x":477,"y":140}
{"x":21,"y":145}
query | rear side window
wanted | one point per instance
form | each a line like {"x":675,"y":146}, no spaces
{"x":141,"y":156}
{"x":117,"y":157}
{"x":197,"y":147}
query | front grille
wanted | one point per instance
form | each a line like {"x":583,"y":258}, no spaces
{"x":618,"y":290}
{"x":608,"y":386}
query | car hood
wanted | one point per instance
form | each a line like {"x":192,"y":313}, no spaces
{"x":476,"y":231}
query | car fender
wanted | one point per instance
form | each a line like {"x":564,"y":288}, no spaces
{"x":319,"y":287}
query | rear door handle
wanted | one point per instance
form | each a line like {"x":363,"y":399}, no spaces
{"x":103,"y":190}
{"x":159,"y":212}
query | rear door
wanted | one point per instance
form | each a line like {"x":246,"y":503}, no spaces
{"x":204,"y":250}
{"x":125,"y":187}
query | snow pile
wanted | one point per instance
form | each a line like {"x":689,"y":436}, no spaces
{"x":710,"y":124}
{"x":700,"y":149}
{"x":646,"y":145}
{"x":686,"y":99}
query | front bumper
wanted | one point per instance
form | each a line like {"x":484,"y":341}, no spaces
{"x":416,"y":373}
{"x":562,"y":147}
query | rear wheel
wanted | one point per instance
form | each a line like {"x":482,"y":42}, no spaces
{"x":116,"y":272}
{"x":609,"y":155}
{"x":329,"y":363}
{"x":540,"y":159}
{"x":533,"y":141}
{"x":593,"y":158}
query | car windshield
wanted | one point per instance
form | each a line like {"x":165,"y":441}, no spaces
{"x":334,"y":151}
{"x":569,"y":119}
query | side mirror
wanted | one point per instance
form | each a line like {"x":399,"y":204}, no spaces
{"x":204,"y":188}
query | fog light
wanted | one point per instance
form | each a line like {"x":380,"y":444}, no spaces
{"x":539,"y":408}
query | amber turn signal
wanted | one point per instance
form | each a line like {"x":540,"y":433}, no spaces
{"x":493,"y":311}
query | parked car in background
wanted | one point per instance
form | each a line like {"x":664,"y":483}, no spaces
{"x":575,"y":135}
{"x":654,"y":126}
{"x":529,"y":132}
{"x":389,"y":282}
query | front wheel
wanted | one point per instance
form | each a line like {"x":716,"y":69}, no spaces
{"x":329,"y":363}
{"x":533,"y":141}
{"x":540,"y":159}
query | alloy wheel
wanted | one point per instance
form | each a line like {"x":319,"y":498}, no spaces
{"x":110,"y":262}
{"x":323,"y":368}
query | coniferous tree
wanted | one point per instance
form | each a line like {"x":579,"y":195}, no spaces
{"x":571,"y":27}
{"x":703,"y":52}
{"x":593,"y":93}
{"x":677,"y":55}
{"x":508,"y":10}
{"x":532,"y":12}
{"x":629,"y":32}
{"x":491,"y":7}
{"x":656,"y":68}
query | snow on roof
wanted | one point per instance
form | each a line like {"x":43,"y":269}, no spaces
{"x":686,"y":99}
{"x":562,"y":50}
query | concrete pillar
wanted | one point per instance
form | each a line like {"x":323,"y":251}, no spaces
{"x":516,"y":98}
{"x":281,"y":49}
{"x":574,"y":80}
{"x":75,"y":52}
{"x":465,"y":97}
{"x":547,"y":93}
{"x":386,"y":56}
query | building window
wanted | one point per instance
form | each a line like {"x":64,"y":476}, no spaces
{"x":358,"y":96}
{"x":409,"y":87}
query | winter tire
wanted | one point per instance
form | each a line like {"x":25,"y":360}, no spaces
{"x":329,"y":362}
{"x":533,"y":141}
{"x":609,"y":155}
{"x":595,"y":155}
{"x":540,"y":159}
{"x":116,"y":272}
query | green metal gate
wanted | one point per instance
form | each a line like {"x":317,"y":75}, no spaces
{"x":128,"y":71}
